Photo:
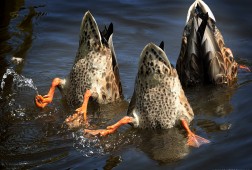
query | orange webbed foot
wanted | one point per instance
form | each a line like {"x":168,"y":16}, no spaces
{"x":193,"y":140}
{"x":76,"y":120}
{"x":196,"y":141}
{"x":72,"y":117}
{"x":244,"y":67}
{"x":80,"y":116}
{"x":42,"y":101}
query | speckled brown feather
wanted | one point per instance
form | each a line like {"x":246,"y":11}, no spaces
{"x":95,"y":67}
{"x":158,"y":100}
{"x":204,"y":58}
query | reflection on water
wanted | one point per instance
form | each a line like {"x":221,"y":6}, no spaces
{"x":166,"y":146}
{"x":112,"y":162}
{"x":16,"y":34}
{"x":44,"y":34}
{"x":212,"y":105}
{"x":212,"y":101}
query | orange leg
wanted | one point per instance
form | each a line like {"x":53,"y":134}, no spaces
{"x":193,"y":140}
{"x":42,"y":101}
{"x":244,"y":67}
{"x":82,"y":109}
{"x":110,"y":129}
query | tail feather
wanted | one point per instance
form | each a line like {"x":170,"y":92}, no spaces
{"x":202,"y":27}
{"x":90,"y":37}
{"x":189,"y":64}
{"x":106,"y":33}
{"x":199,"y":5}
{"x":152,"y":51}
{"x":199,"y":47}
{"x":162,"y":45}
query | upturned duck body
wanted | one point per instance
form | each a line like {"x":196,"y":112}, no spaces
{"x":95,"y":70}
{"x":158,"y":100}
{"x":204,"y":57}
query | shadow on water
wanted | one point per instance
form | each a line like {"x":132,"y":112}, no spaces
{"x":164,"y":146}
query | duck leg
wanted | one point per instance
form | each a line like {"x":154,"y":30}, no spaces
{"x":42,"y":101}
{"x":81,"y":110}
{"x":244,"y":67}
{"x":193,"y":139}
{"x":110,"y":129}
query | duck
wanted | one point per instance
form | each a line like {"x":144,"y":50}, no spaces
{"x":158,"y":100}
{"x":204,"y":57}
{"x":94,"y":74}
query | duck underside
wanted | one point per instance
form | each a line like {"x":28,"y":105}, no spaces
{"x":97,"y":75}
{"x":95,"y":67}
{"x":158,"y":100}
{"x":159,"y":109}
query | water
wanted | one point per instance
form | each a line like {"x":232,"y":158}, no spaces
{"x":87,"y":146}
{"x":44,"y":34}
{"x":19,"y":81}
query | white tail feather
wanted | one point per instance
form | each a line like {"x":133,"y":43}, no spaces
{"x":204,"y":7}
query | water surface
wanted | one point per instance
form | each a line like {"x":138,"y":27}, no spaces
{"x":45,"y":35}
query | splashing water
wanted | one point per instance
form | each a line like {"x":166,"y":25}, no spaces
{"x":87,"y":146}
{"x":19,"y":81}
{"x":20,"y":86}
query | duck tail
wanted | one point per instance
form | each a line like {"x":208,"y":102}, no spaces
{"x":162,"y":45}
{"x":204,"y":8}
{"x":202,"y":27}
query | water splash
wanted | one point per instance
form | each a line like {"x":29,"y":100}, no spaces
{"x":13,"y":94}
{"x":87,"y":146}
{"x":20,"y":83}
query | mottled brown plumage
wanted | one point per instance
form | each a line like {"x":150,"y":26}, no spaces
{"x":95,"y":68}
{"x":158,"y":100}
{"x":204,"y":57}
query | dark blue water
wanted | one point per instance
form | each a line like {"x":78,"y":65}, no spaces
{"x":45,"y":35}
